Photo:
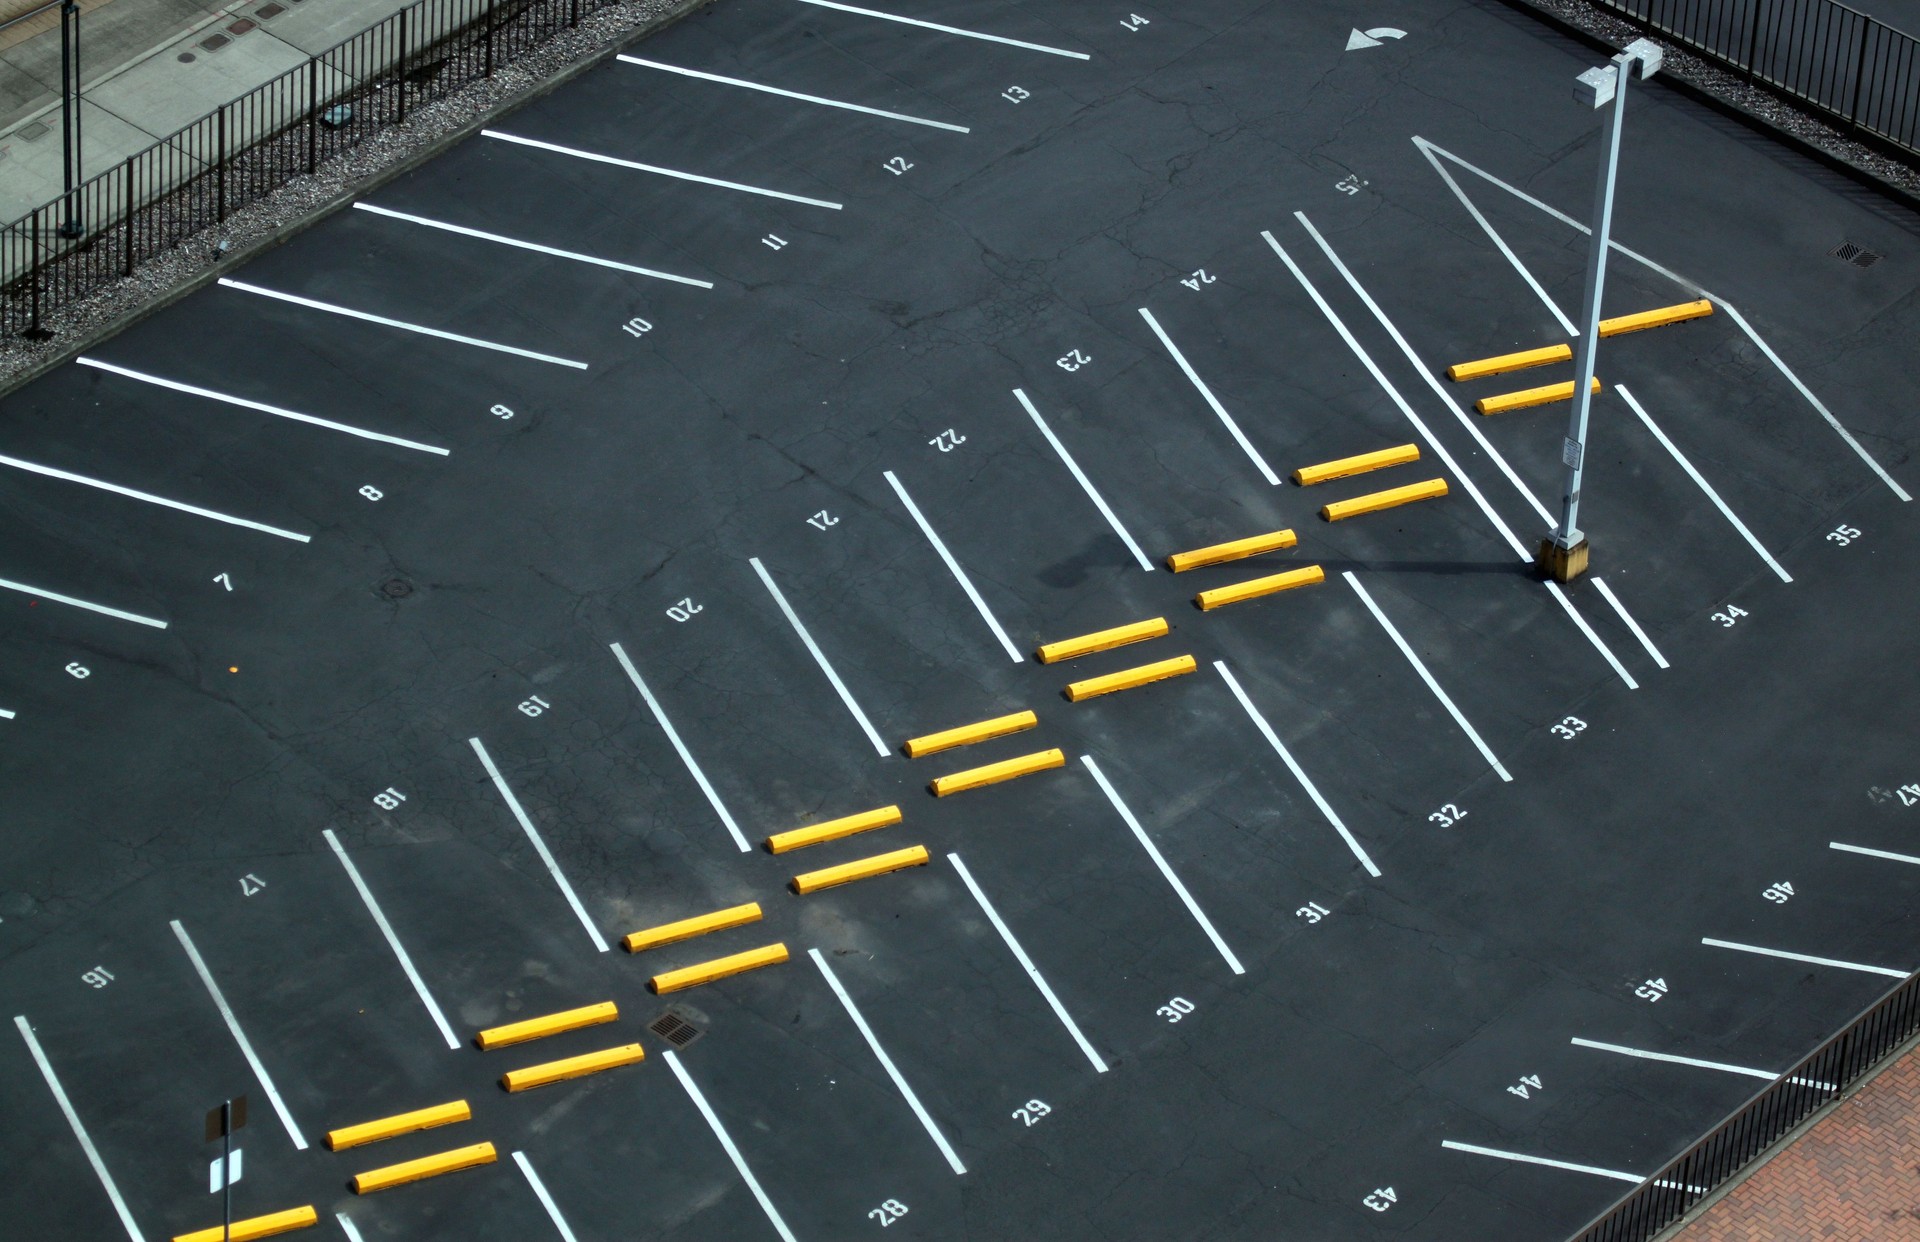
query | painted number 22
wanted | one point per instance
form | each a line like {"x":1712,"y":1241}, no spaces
{"x":888,"y":1212}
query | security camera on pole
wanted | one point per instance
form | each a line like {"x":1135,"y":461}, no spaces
{"x":1563,"y":554}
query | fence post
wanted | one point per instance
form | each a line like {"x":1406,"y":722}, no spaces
{"x":127,"y":224}
{"x":313,"y":114}
{"x":400,"y":84}
{"x":1753,"y":40}
{"x":220,"y":176}
{"x":573,"y":14}
{"x":489,"y":38}
{"x":33,"y":278}
{"x":1860,"y":76}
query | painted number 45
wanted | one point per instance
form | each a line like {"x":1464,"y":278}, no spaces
{"x":1652,"y":990}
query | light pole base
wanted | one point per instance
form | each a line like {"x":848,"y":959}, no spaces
{"x":1563,"y":564}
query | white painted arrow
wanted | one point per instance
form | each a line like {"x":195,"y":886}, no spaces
{"x":1371,"y":38}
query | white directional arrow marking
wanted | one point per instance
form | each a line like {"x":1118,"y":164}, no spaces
{"x":1371,"y":38}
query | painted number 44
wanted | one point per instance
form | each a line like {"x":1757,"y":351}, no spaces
{"x":1381,"y":1199}
{"x":1528,"y":1084}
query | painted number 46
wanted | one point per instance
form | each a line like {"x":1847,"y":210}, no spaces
{"x":1778,"y":893}
{"x":888,"y":1212}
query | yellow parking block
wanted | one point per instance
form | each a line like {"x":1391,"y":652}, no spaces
{"x":549,"y":1072}
{"x":1399,"y":455}
{"x":1543,"y":395}
{"x":860,"y":869}
{"x":1392,"y":498}
{"x":550,"y":1024}
{"x":1658,"y":317}
{"x":967,"y":735}
{"x":255,"y":1226}
{"x":423,"y":1168}
{"x":1254,"y":588}
{"x":718,"y":968}
{"x":398,"y":1124}
{"x":1128,"y":678}
{"x":994,"y":773}
{"x":1510,"y":362}
{"x":1233,"y":550}
{"x":687,"y":929}
{"x":1101,"y":640}
{"x":833,"y":829}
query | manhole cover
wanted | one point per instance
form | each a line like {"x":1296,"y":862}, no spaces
{"x":1854,"y":253}
{"x":214,"y":43}
{"x":29,"y":133}
{"x":396,"y":588}
{"x":266,"y":11}
{"x":185,"y":58}
{"x":677,"y":1026}
{"x":241,"y":27}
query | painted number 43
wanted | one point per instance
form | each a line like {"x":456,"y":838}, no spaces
{"x":1381,"y":1199}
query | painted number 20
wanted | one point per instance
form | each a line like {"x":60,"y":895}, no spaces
{"x":888,"y":1212}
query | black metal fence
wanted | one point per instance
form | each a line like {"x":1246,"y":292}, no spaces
{"x":1757,"y":1124}
{"x":246,"y":149}
{"x":1852,"y":70}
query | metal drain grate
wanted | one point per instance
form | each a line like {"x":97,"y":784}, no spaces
{"x":1854,"y":253}
{"x":676,"y":1026}
{"x":214,"y":43}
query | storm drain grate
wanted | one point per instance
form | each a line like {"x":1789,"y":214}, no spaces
{"x":268,"y":11}
{"x":675,"y":1027}
{"x":1854,"y":253}
{"x":214,"y":43}
{"x":33,"y":132}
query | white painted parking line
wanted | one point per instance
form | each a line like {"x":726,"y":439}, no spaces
{"x":959,"y":574}
{"x":258,"y":406}
{"x":1427,"y":149}
{"x":680,"y":748}
{"x":403,"y":325}
{"x":70,"y":601}
{"x":393,"y":941}
{"x":1725,"y":510}
{"x":820,"y":658}
{"x":1086,"y":485}
{"x":1889,"y":971}
{"x":597,"y":158}
{"x":1560,"y":596}
{"x":952,"y":30}
{"x":1153,"y":852}
{"x":1721,"y":1066}
{"x":733,"y":1153}
{"x":6,"y":714}
{"x":1861,"y":849}
{"x":1606,"y":592}
{"x":540,"y":1193}
{"x":69,"y":477}
{"x":239,"y":1036}
{"x":539,"y":843}
{"x":1523,"y":1158}
{"x":1026,"y":964}
{"x":775,"y":90}
{"x":886,"y":1063}
{"x":1239,"y":436}
{"x":79,"y":1130}
{"x":348,"y":1227}
{"x":517,"y":244}
{"x":1425,"y":676}
{"x":1299,"y":773}
{"x":1690,"y":286}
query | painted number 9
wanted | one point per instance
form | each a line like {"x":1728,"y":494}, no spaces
{"x":501,"y":411}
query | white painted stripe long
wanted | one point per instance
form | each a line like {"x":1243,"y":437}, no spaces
{"x":1722,"y":1066}
{"x":1426,"y":149}
{"x":79,"y":1130}
{"x":261,"y":407}
{"x":67,"y":476}
{"x":1606,"y":592}
{"x":1299,"y":773}
{"x":1153,"y":852}
{"x":71,"y":602}
{"x":1726,"y":511}
{"x":1420,"y":668}
{"x":959,"y":574}
{"x":539,"y":843}
{"x":677,"y":175}
{"x":775,"y":90}
{"x":820,"y":658}
{"x":1426,"y":433}
{"x":953,"y":30}
{"x":403,"y":325}
{"x":1026,"y":964}
{"x":680,"y":748}
{"x":1521,"y":1158}
{"x":1889,"y":971}
{"x":393,"y":941}
{"x":348,"y":1227}
{"x":733,"y":1153}
{"x":1086,"y":484}
{"x":1561,"y":597}
{"x":886,"y":1063}
{"x":5,"y":714}
{"x":1239,"y":436}
{"x":239,"y":1036}
{"x":517,"y":244}
{"x":1861,"y":849}
{"x":546,"y":1200}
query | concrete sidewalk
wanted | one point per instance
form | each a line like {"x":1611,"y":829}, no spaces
{"x":150,"y":67}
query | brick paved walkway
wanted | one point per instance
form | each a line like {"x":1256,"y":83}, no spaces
{"x":1854,"y":1177}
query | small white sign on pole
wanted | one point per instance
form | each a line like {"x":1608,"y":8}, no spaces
{"x":215,"y":1182}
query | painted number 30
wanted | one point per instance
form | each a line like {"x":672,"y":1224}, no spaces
{"x":888,"y":1212}
{"x":1175,"y":1009}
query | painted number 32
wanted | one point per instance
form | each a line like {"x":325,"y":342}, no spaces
{"x":888,"y":1212}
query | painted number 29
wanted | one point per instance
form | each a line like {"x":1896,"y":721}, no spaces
{"x":1175,"y":1009}
{"x":888,"y":1212}
{"x":1031,"y":1111}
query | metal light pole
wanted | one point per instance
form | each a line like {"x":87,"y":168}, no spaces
{"x":1563,"y":554}
{"x":70,"y":110}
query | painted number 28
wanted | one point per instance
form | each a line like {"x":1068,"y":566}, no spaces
{"x":888,"y":1212}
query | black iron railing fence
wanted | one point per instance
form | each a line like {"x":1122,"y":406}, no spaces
{"x":1846,"y":67}
{"x":1762,"y":1120}
{"x":246,"y":149}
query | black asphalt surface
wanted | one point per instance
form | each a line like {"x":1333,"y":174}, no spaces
{"x":447,"y":611}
